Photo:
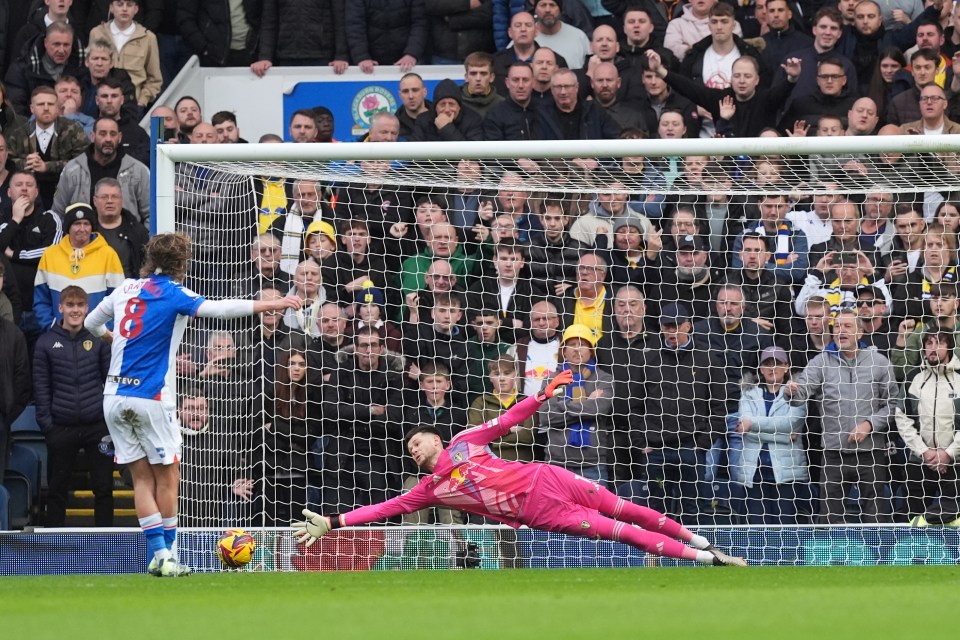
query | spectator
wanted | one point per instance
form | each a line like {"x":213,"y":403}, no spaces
{"x":292,"y":418}
{"x":827,"y":29}
{"x":413,"y":96}
{"x":121,"y":230}
{"x":221,"y":33}
{"x":574,"y":427}
{"x":927,"y":427}
{"x":363,"y":459}
{"x":563,"y":38}
{"x":744,"y":109}
{"x":110,"y":104}
{"x":448,"y":120}
{"x":538,"y":353}
{"x":845,"y":223}
{"x":683,"y":405}
{"x":477,"y":91}
{"x":587,"y":302}
{"x":189,"y":115}
{"x":521,"y":38}
{"x":768,"y":465}
{"x":872,"y":311}
{"x":856,"y":388}
{"x":70,"y":366}
{"x":545,"y":63}
{"x":907,"y":353}
{"x":782,"y":36}
{"x":644,"y":24}
{"x":263,"y":269}
{"x":45,"y":146}
{"x":137,"y":51}
{"x":903,"y":255}
{"x":836,"y":278}
{"x":225,"y":122}
{"x":569,"y":118}
{"x":25,"y":233}
{"x":40,"y":16}
{"x":369,"y":310}
{"x":876,"y":222}
{"x":503,"y":394}
{"x":692,"y":26}
{"x":10,"y":306}
{"x":709,"y":61}
{"x":101,"y":67}
{"x":16,"y":384}
{"x":171,"y":128}
{"x":905,"y":106}
{"x":457,"y":32}
{"x":44,"y":61}
{"x":68,"y":103}
{"x":886,"y":81}
{"x":658,"y":99}
{"x":621,"y":353}
{"x":831,"y":96}
{"x":105,"y":158}
{"x":939,"y":266}
{"x":515,"y":118}
{"x":363,"y":267}
{"x":787,"y":244}
{"x":553,"y":253}
{"x":9,"y":118}
{"x":320,"y":245}
{"x":393,"y":32}
{"x":487,"y":342}
{"x":509,"y":291}
{"x":83,"y":256}
{"x":689,"y":279}
{"x":933,"y":106}
{"x":766,"y":302}
{"x":635,"y":254}
{"x":308,"y":286}
{"x":595,"y":226}
{"x":439,"y":279}
{"x":296,"y":34}
{"x":441,"y":338}
{"x":815,"y":223}
{"x":814,"y":335}
{"x":442,"y":243}
{"x":605,"y":84}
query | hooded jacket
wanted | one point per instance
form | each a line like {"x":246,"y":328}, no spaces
{"x":98,"y":272}
{"x":848,"y":394}
{"x":773,"y":429}
{"x":928,"y":413}
{"x":466,"y":126}
{"x":133,"y":176}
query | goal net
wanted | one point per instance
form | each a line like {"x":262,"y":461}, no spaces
{"x":752,"y":326}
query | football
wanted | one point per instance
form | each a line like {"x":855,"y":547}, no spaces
{"x":235,"y":548}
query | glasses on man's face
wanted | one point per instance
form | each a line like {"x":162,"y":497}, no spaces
{"x":931,"y":99}
{"x":437,"y":276}
{"x":868,"y":303}
{"x":831,"y":77}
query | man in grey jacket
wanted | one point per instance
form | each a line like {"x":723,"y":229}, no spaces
{"x":105,"y":158}
{"x":855,"y":388}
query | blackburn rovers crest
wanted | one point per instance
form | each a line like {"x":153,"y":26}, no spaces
{"x":369,"y":101}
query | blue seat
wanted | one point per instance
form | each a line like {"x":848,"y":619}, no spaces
{"x":24,"y":461}
{"x":39,"y":447}
{"x":20,"y":505}
{"x":4,"y":509}
{"x":27,"y":422}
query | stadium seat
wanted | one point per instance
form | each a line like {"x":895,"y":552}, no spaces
{"x":4,"y":509}
{"x":26,"y":462}
{"x":39,"y":448}
{"x":20,"y":504}
{"x":27,"y":422}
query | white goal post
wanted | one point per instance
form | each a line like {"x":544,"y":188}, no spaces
{"x":628,"y":421}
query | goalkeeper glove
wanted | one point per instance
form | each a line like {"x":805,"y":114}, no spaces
{"x":562,"y":379}
{"x":310,"y":530}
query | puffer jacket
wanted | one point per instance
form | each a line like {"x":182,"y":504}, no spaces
{"x":386,"y":30}
{"x":457,"y":30}
{"x":68,"y":376}
{"x":776,"y":430}
{"x":293,"y":29}
{"x":205,"y":25}
{"x":928,"y":411}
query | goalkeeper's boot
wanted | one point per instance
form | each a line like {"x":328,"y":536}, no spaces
{"x":721,"y":559}
{"x":154,"y":567}
{"x":171,"y":568}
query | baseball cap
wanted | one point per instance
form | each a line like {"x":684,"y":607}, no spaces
{"x":674,"y":314}
{"x":774,"y":353}
{"x":691,"y":242}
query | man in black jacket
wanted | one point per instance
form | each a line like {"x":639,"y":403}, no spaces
{"x":16,"y":385}
{"x":118,"y":226}
{"x":684,"y":412}
{"x":70,"y":366}
{"x":207,"y":27}
{"x":302,"y":34}
{"x":516,"y":118}
{"x":387,"y":32}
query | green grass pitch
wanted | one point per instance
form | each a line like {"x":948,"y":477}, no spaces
{"x":703,"y":603}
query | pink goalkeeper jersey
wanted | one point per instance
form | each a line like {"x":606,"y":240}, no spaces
{"x":468,"y":477}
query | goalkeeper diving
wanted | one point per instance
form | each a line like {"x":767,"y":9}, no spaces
{"x":467,"y":476}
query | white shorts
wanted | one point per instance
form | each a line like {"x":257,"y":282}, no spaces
{"x":142,"y":428}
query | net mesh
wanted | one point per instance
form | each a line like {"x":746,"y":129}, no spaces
{"x":440,"y":292}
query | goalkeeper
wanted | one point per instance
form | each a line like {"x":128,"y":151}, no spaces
{"x":466,"y":476}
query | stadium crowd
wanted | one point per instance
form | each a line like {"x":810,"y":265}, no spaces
{"x":735,"y":358}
